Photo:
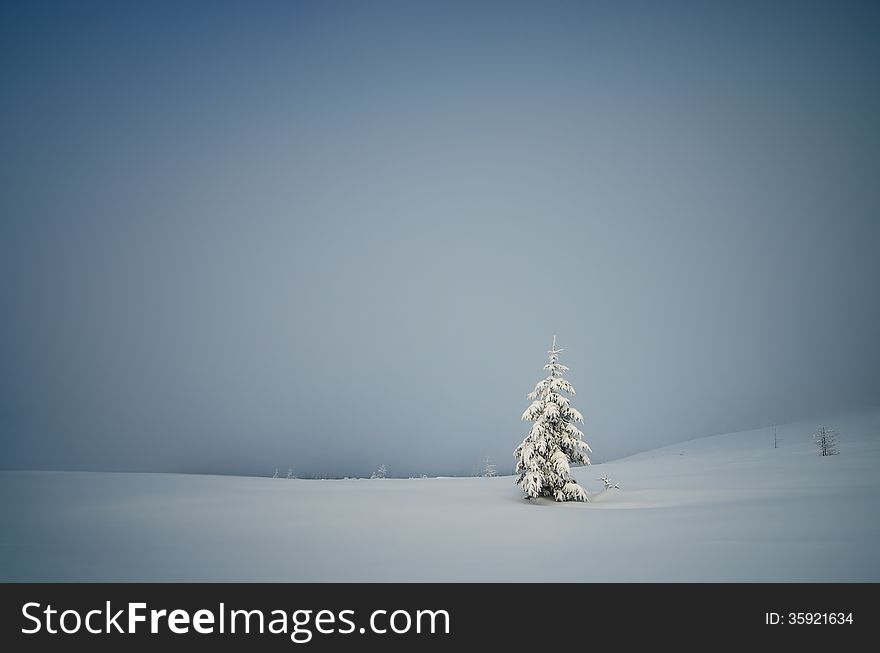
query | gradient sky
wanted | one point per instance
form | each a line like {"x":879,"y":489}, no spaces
{"x":329,"y":235}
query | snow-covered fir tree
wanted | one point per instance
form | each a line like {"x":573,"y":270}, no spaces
{"x":488,"y":470}
{"x":275,"y":475}
{"x":290,"y":472}
{"x":825,"y":440}
{"x":382,"y":472}
{"x":543,"y":459}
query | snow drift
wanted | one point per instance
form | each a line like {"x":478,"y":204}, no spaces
{"x":721,"y":508}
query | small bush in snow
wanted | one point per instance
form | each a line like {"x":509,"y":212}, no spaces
{"x":609,"y":484}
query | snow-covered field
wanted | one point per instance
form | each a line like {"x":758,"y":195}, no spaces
{"x":721,"y":508}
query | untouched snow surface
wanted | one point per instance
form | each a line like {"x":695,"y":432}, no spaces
{"x":721,"y":508}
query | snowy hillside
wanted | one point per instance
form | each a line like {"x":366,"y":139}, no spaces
{"x":721,"y":508}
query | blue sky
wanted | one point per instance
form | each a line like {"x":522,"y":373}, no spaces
{"x":235,"y":236}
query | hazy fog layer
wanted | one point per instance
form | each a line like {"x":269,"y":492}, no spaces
{"x":235,"y":236}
